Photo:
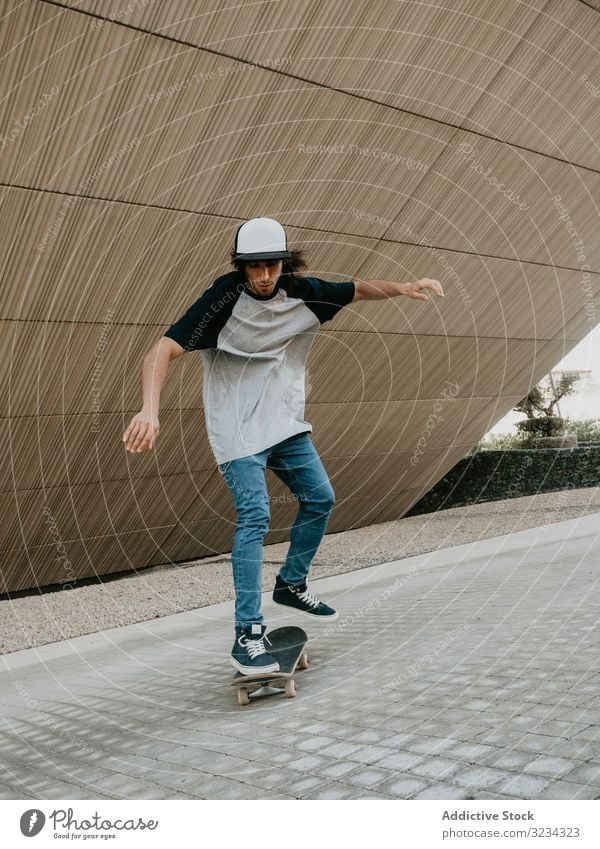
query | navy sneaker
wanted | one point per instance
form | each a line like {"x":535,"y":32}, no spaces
{"x":249,"y":654}
{"x":301,"y":599}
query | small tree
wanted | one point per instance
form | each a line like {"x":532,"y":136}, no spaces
{"x":539,"y":404}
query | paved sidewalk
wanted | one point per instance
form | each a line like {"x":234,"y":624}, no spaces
{"x":470,"y":672}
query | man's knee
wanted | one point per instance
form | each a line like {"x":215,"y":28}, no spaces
{"x":328,"y":494}
{"x":254,"y":515}
{"x":323,"y":498}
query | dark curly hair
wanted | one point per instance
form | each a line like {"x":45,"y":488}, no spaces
{"x":293,"y":264}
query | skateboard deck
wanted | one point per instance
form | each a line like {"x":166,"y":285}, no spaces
{"x":287,"y":647}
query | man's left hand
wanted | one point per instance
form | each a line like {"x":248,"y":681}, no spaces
{"x":415,"y":290}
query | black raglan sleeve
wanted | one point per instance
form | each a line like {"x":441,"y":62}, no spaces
{"x":200,"y":326}
{"x":326,"y":299}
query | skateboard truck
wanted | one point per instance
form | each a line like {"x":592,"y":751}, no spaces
{"x":287,"y":645}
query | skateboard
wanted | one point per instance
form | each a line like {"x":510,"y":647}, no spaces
{"x":287,"y":647}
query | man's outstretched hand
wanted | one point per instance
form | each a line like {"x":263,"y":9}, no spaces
{"x":141,"y":433}
{"x":415,"y":290}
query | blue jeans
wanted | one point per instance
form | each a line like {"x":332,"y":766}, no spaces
{"x":295,"y":462}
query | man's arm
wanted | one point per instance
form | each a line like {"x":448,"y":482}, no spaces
{"x":375,"y":290}
{"x":143,"y":430}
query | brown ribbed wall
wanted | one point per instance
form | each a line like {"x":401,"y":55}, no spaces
{"x":136,"y":136}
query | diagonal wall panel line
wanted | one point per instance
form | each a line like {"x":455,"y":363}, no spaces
{"x":299,"y":78}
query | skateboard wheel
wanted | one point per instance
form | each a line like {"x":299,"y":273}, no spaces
{"x":243,"y":696}
{"x":290,"y":688}
{"x":303,"y":662}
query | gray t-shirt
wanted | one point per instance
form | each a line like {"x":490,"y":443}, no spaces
{"x":254,"y":350}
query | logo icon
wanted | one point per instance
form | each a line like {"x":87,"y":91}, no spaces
{"x":32,"y":822}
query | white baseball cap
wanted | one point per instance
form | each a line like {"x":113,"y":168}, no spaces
{"x":261,"y":238}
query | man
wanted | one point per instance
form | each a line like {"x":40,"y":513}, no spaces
{"x":254,"y":328}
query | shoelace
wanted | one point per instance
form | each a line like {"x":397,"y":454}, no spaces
{"x":254,"y":647}
{"x":308,"y":598}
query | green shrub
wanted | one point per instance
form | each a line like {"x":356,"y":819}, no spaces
{"x":541,"y":426}
{"x":587,"y":430}
{"x":497,"y":442}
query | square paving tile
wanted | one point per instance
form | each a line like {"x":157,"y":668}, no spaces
{"x":402,"y":786}
{"x":552,"y":767}
{"x":586,"y":774}
{"x":524,"y":786}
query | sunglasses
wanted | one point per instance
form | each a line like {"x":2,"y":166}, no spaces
{"x":270,"y":263}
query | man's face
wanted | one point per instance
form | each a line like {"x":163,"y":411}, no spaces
{"x":262,"y":275}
